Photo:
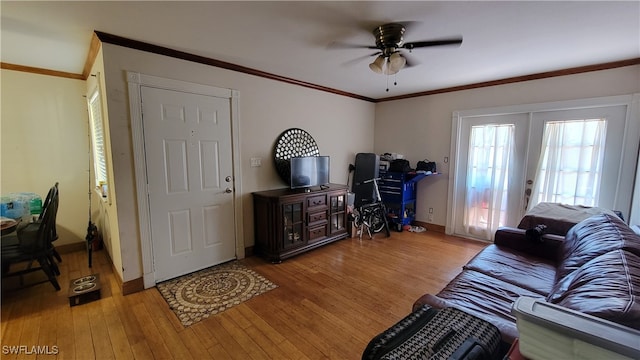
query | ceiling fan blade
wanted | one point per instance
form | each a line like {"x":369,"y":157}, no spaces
{"x":359,"y":59}
{"x":419,"y":44}
{"x":341,"y":45}
{"x":411,"y":60}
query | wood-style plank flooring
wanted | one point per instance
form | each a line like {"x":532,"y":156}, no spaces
{"x":329,"y":303}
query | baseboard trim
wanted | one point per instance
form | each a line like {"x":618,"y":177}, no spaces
{"x":73,"y":247}
{"x":431,"y":227}
{"x":133,"y":286}
{"x":248,"y":251}
{"x":128,"y":287}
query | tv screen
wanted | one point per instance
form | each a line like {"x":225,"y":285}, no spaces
{"x":309,"y":171}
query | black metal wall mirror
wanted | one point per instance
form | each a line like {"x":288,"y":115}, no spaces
{"x":293,"y":142}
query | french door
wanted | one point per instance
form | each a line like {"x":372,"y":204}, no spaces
{"x":611,"y":121}
{"x":489,"y":170}
{"x":498,"y":172}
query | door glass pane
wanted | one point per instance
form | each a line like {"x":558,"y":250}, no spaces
{"x":337,"y":222}
{"x":570,"y":166}
{"x":337,"y":203}
{"x":296,"y":212}
{"x":490,"y":149}
{"x":292,"y":217}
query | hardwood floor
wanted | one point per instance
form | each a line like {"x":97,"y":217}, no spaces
{"x":329,"y":303}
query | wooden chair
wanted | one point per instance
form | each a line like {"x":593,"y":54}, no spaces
{"x":54,"y":236}
{"x":34,"y":245}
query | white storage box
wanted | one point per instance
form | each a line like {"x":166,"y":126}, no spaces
{"x":549,"y":331}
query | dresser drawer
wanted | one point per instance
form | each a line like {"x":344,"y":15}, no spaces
{"x":317,"y":216}
{"x":317,"y":232}
{"x":314,"y":201}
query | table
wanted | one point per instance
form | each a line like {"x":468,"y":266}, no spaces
{"x":7,"y":225}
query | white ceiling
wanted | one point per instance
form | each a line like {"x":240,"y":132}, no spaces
{"x":292,"y":39}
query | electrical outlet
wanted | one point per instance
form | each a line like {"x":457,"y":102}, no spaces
{"x":430,"y":218}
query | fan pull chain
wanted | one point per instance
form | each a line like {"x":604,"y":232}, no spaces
{"x":387,"y":82}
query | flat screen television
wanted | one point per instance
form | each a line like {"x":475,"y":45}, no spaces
{"x":309,"y":171}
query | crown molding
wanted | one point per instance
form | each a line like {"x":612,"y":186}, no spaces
{"x":161,"y":50}
{"x":41,"y":71}
{"x":515,"y":79}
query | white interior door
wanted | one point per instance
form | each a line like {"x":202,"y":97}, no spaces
{"x":190,"y":180}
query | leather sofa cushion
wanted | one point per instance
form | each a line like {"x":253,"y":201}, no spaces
{"x":593,"y":237}
{"x":607,"y":287}
{"x":515,"y":267}
{"x":486,"y":297}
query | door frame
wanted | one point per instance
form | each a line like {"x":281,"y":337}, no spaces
{"x":136,"y":81}
{"x":630,"y":142}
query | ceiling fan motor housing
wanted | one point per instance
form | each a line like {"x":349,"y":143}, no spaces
{"x":389,"y":37}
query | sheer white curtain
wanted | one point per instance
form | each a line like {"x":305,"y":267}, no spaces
{"x":570,"y":164}
{"x":490,"y":154}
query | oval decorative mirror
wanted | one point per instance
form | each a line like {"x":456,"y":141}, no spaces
{"x":293,"y":142}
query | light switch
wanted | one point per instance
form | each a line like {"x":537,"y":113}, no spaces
{"x":256,"y":162}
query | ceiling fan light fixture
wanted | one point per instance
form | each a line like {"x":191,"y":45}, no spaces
{"x":396,"y":62}
{"x":388,"y":70}
{"x":377,"y":65}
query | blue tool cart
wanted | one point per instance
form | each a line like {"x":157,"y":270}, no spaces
{"x":398,"y":192}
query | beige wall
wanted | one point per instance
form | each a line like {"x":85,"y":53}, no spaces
{"x":421,"y":127}
{"x":105,"y":210}
{"x":340,"y":125}
{"x":44,"y":134}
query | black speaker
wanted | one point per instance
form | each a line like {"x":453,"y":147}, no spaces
{"x":367,"y":167}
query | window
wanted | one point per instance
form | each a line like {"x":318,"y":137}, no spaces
{"x":97,"y":139}
{"x":570,"y":165}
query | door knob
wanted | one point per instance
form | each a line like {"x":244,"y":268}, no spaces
{"x":228,"y":190}
{"x":227,"y":179}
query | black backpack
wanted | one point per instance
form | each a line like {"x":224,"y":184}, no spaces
{"x":400,"y":165}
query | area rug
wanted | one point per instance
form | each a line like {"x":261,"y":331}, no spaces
{"x":196,"y":296}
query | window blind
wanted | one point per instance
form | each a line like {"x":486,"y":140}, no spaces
{"x":97,"y":138}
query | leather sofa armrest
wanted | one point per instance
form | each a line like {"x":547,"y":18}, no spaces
{"x":548,"y":248}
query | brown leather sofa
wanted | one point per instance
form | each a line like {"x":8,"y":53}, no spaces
{"x":595,"y":269}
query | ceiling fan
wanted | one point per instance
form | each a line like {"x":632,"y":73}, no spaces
{"x":389,"y":43}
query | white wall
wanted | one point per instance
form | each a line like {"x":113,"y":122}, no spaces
{"x":421,"y":127}
{"x":341,"y":126}
{"x":44,"y":139}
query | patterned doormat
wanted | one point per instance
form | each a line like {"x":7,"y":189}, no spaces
{"x":196,"y":296}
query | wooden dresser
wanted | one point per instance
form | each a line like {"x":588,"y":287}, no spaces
{"x":289,"y":222}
